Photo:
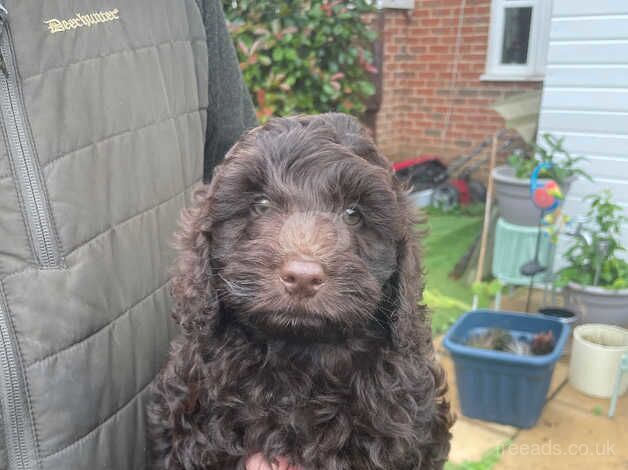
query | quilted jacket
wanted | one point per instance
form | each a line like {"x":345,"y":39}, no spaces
{"x":108,"y":109}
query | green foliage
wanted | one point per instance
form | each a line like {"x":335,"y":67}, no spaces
{"x":555,"y":222}
{"x":488,"y":461}
{"x":448,"y":239}
{"x":564,"y":165}
{"x":488,"y":288}
{"x":307,"y":56}
{"x":596,"y":246}
{"x":472,"y":210}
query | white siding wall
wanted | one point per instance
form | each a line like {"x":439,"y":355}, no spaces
{"x":585,"y":95}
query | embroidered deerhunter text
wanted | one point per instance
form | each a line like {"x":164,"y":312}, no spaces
{"x":80,"y":21}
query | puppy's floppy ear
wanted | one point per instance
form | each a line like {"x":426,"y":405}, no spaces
{"x":196,"y":308}
{"x":413,"y":330}
{"x":409,"y":315}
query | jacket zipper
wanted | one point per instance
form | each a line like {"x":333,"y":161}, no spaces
{"x":12,"y":400}
{"x":22,"y":154}
{"x":30,"y":186}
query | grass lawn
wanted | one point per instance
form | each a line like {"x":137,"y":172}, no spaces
{"x":449,"y":237}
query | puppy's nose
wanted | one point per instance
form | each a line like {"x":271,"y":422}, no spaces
{"x":302,"y":277}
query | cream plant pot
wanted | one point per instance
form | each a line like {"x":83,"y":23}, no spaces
{"x":595,"y":356}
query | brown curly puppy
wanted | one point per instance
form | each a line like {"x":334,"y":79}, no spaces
{"x":296,"y":290}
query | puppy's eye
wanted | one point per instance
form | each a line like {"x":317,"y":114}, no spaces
{"x":352,"y":216}
{"x":261,"y":205}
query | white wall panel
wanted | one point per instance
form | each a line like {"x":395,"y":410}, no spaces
{"x":585,"y":96}
{"x":589,"y":7}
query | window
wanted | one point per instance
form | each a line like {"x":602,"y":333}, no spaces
{"x":518,"y":39}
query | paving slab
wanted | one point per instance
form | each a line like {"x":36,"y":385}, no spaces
{"x":559,"y":378}
{"x":572,"y":397}
{"x":568,"y":437}
{"x":470,"y":441}
{"x":516,"y":301}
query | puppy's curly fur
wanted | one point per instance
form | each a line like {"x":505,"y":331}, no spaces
{"x":343,"y":380}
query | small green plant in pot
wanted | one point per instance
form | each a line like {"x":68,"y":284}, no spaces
{"x":564,"y":166}
{"x":596,"y":276}
{"x":512,"y":181}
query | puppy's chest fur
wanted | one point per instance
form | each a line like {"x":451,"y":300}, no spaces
{"x":324,"y":406}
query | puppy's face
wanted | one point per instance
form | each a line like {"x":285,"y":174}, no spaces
{"x":304,"y":233}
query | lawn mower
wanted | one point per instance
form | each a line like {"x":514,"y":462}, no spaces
{"x":451,"y":185}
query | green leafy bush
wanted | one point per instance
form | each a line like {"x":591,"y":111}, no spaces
{"x":307,"y":56}
{"x":488,"y":289}
{"x":595,"y":247}
{"x":564,"y":165}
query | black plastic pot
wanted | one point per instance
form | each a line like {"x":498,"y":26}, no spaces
{"x":563,"y":315}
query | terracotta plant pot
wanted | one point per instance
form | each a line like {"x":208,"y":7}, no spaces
{"x":597,"y":305}
{"x":513,"y":197}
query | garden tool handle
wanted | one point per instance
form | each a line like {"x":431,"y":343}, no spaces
{"x":487,"y":211}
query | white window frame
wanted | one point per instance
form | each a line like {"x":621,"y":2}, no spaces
{"x":534,"y":70}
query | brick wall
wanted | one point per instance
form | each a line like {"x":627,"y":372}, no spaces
{"x":426,"y":106}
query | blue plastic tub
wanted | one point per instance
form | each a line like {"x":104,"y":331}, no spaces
{"x":499,"y":386}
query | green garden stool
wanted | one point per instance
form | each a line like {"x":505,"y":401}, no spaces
{"x":514,"y":246}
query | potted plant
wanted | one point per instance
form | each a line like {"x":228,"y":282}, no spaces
{"x":512,"y":181}
{"x":595,"y":280}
